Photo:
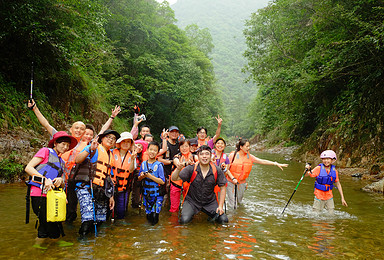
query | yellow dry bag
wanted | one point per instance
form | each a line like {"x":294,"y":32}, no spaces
{"x":56,"y":205}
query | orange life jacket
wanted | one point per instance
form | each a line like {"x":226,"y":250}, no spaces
{"x":186,"y":185}
{"x":103,"y":165}
{"x":121,"y":169}
{"x":241,"y":167}
{"x":183,"y":158}
{"x":70,"y":156}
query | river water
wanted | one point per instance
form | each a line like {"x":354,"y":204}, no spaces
{"x":256,"y":229}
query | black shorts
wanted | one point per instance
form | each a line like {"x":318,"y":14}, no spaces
{"x":46,"y":229}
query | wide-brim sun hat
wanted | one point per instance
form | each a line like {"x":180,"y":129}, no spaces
{"x":328,"y":154}
{"x":143,"y":143}
{"x":63,"y":134}
{"x":107,"y":132}
{"x":124,"y":136}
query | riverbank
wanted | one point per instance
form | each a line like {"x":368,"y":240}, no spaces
{"x":374,"y":173}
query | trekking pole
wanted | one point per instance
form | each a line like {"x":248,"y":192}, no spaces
{"x":302,"y":177}
{"x":181,"y":201}
{"x":27,"y":202}
{"x":235,"y":204}
{"x":30,"y":93}
{"x":93,"y":206}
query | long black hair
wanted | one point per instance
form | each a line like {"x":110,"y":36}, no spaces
{"x":240,"y":143}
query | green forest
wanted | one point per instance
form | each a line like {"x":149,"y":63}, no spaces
{"x":88,"y":56}
{"x":319,"y":68}
{"x":313,"y":69}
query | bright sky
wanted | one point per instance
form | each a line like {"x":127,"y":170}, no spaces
{"x":171,"y":2}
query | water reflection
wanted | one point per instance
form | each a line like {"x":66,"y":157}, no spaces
{"x":237,"y":243}
{"x":256,"y":229}
{"x":322,"y":240}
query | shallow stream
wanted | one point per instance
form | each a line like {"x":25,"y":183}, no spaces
{"x":256,"y":229}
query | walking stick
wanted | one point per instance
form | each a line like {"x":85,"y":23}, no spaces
{"x":181,"y":200}
{"x":235,"y":204}
{"x":302,"y":177}
{"x":27,"y":202}
{"x":94,"y":211}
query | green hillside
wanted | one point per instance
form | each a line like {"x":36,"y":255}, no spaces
{"x":91,"y":55}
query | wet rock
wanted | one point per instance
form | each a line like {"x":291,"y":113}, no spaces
{"x":375,"y":186}
{"x":20,"y":142}
{"x":357,"y":175}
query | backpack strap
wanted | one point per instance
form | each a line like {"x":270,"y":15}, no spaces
{"x":194,"y":173}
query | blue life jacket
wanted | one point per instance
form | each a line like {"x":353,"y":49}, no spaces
{"x":51,"y":169}
{"x":324,"y":181}
{"x":150,"y":187}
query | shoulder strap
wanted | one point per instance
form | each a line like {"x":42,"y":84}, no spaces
{"x":194,"y":174}
{"x":214,"y":170}
{"x":146,"y":162}
{"x":234,"y":155}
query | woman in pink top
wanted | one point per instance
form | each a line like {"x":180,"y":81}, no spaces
{"x":46,"y":171}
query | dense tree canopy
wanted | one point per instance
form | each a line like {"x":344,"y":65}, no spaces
{"x":319,"y":66}
{"x":91,"y":54}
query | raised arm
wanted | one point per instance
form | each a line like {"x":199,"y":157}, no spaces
{"x":218,"y":130}
{"x":107,"y":124}
{"x":164,"y":136}
{"x":43,"y":121}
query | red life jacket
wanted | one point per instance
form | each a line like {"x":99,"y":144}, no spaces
{"x":186,"y":185}
{"x":69,"y":158}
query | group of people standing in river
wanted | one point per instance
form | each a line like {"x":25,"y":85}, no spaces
{"x":101,"y":172}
